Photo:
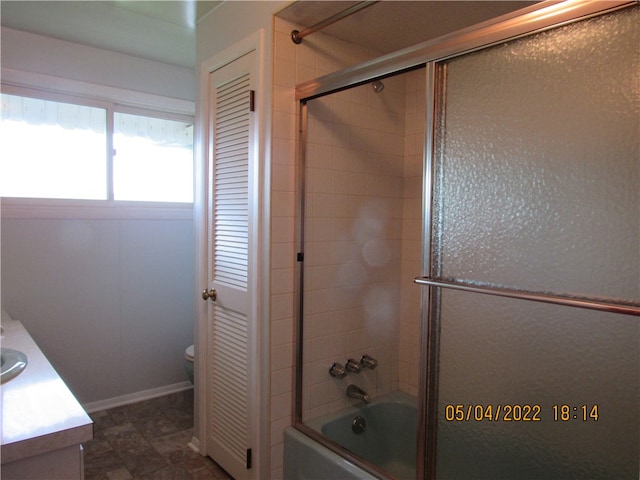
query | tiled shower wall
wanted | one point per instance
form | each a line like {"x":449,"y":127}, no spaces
{"x":363,"y":240}
{"x":353,"y":226}
{"x":316,"y":56}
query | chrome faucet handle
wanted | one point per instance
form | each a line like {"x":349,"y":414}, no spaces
{"x":368,"y":362}
{"x":337,"y":371}
{"x":353,"y":366}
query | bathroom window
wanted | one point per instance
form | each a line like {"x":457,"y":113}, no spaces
{"x":153,"y":159}
{"x":55,"y":149}
{"x":52,"y":149}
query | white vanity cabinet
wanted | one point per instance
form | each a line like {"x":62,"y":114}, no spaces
{"x":43,"y":425}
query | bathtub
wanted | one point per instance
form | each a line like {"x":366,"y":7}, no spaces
{"x":388,"y":442}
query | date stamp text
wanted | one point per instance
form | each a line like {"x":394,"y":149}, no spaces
{"x":520,"y":413}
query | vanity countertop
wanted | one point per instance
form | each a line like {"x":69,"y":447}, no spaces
{"x":39,"y":412}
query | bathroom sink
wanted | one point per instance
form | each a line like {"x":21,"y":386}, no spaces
{"x":13,"y":363}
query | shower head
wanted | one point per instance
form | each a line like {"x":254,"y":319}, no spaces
{"x":378,"y":86}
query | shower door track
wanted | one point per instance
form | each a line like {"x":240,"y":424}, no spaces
{"x":535,"y":297}
{"x":523,"y":22}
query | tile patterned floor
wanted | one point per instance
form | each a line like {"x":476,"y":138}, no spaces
{"x":147,"y":441}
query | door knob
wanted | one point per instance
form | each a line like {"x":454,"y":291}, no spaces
{"x":209,"y":294}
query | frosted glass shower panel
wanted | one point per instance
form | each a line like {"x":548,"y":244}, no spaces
{"x":536,"y":391}
{"x":539,"y":162}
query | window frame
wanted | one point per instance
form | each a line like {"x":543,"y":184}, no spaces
{"x":112,"y":100}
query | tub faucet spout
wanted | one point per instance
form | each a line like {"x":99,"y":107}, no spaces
{"x":353,"y":391}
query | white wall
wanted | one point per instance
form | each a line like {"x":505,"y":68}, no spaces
{"x":108,"y":301}
{"x":108,"y":297}
{"x":232,"y":22}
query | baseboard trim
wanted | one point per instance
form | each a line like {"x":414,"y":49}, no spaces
{"x":108,"y":403}
{"x":194,"y":444}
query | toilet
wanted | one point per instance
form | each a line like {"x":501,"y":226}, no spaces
{"x":188,"y":362}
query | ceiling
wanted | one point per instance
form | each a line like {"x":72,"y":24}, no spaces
{"x":164,"y":30}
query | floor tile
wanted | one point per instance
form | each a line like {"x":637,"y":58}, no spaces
{"x":97,"y":466}
{"x":148,"y":440}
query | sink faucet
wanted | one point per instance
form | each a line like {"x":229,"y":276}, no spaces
{"x":353,"y":391}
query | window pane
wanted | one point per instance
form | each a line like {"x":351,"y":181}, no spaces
{"x":153,"y":159}
{"x":52,"y":149}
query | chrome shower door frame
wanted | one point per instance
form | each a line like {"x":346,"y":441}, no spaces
{"x":528,"y":21}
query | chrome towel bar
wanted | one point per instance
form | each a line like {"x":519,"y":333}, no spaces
{"x":592,"y":304}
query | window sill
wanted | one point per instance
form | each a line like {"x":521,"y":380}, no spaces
{"x":97,"y":209}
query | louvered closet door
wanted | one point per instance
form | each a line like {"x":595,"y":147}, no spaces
{"x":230,"y":274}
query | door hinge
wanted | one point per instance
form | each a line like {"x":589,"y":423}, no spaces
{"x":248,"y":458}
{"x":300,"y":257}
{"x":252,"y":100}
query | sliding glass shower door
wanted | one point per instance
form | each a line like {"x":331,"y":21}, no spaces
{"x":361,"y":186}
{"x":529,"y":364}
{"x":537,"y":198}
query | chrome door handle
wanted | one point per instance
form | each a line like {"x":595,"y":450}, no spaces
{"x":210,"y":294}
